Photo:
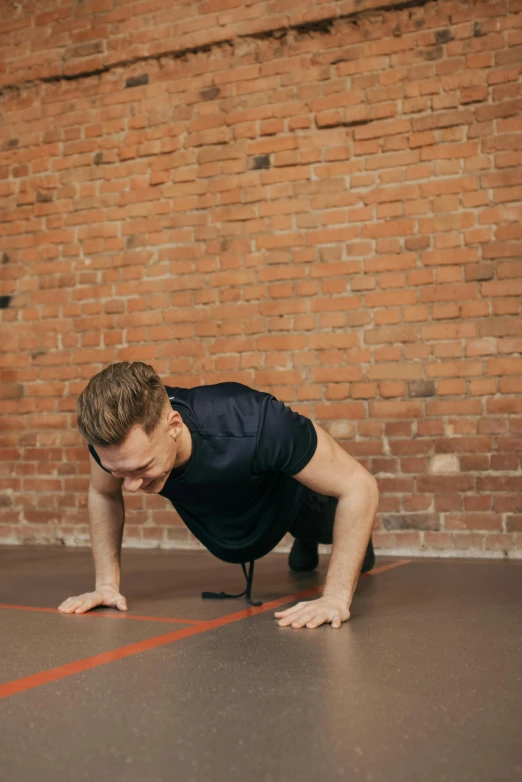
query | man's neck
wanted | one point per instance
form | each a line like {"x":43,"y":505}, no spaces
{"x":185,"y":447}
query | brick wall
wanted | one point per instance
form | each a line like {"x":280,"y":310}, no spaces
{"x":322,"y":200}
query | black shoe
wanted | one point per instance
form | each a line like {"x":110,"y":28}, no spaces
{"x":304,"y":555}
{"x":369,"y":558}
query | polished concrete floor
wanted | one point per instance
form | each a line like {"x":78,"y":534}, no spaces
{"x":423,"y":683}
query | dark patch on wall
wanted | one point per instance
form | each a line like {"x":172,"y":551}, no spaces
{"x":433,"y":54}
{"x":5,"y":301}
{"x":480,"y":271}
{"x":334,"y":124}
{"x":137,"y":81}
{"x":203,"y":49}
{"x":261,"y":161}
{"x":98,"y":158}
{"x":396,"y":32}
{"x":11,"y":391}
{"x":356,"y":123}
{"x":411,"y":521}
{"x":210,"y":93}
{"x":443,"y":36}
{"x":477,"y":30}
{"x":421,"y":388}
{"x":5,"y":258}
{"x":277,"y":35}
{"x":43,"y":197}
{"x":13,"y":142}
{"x":323,"y":26}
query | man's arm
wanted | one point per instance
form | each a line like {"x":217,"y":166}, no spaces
{"x":332,"y":471}
{"x":106,"y":521}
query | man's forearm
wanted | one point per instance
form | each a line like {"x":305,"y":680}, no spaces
{"x":353,"y":524}
{"x":106,"y":521}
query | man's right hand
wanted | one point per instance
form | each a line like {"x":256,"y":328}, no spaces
{"x":102,"y":596}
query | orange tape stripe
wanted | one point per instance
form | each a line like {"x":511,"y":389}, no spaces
{"x":45,"y":677}
{"x":116,"y":615}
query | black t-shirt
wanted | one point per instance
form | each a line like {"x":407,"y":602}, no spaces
{"x":236,"y":494}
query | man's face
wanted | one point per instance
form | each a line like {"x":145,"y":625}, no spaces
{"x":145,"y":462}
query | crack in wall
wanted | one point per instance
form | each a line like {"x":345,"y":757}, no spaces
{"x":318,"y":26}
{"x":354,"y":124}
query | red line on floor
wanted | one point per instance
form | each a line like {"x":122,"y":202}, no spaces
{"x":110,"y":614}
{"x":115,"y":614}
{"x":62,"y":671}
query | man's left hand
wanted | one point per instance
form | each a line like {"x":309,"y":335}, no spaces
{"x":314,"y":613}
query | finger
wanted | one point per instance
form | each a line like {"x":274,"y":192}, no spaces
{"x":289,"y":614}
{"x":85,"y":605}
{"x":68,"y":602}
{"x":287,"y":620}
{"x":318,"y":620}
{"x":69,"y":605}
{"x":297,"y":621}
{"x":293,"y":614}
{"x":121,"y":604}
{"x":301,"y":621}
{"x":336,"y":621}
{"x":289,"y":610}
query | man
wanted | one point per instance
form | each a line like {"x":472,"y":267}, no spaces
{"x":240,"y":467}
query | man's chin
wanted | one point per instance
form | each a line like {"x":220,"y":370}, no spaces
{"x":155,"y":488}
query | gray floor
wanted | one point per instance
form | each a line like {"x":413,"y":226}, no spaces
{"x":423,"y":683}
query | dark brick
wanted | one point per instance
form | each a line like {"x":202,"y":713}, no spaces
{"x":432,"y":54}
{"x":137,"y":81}
{"x":479,"y":271}
{"x":411,"y":521}
{"x":261,"y":161}
{"x":11,"y":391}
{"x":210,"y":94}
{"x":421,"y":388}
{"x":443,"y":36}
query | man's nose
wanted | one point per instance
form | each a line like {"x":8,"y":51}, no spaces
{"x":132,"y":484}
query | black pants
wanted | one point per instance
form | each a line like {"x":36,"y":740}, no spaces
{"x":316,"y":518}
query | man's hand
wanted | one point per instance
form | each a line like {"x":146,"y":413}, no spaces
{"x":102,"y":596}
{"x":327,"y":608}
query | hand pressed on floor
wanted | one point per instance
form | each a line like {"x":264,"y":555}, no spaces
{"x":313,"y":613}
{"x":103,"y":596}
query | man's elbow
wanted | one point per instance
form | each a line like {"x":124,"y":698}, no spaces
{"x":374,"y":492}
{"x":371,"y":487}
{"x":366,"y":487}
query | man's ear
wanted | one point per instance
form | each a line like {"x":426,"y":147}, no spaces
{"x":174,"y":424}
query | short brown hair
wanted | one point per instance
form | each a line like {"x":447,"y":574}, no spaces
{"x":118,"y":398}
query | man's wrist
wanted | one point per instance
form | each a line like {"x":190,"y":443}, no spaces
{"x":341,"y":594}
{"x":111,"y":584}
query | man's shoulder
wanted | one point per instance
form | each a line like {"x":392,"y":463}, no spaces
{"x":223,"y":409}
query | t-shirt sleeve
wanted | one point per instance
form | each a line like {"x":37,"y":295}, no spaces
{"x":97,"y":458}
{"x":286,"y":440}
